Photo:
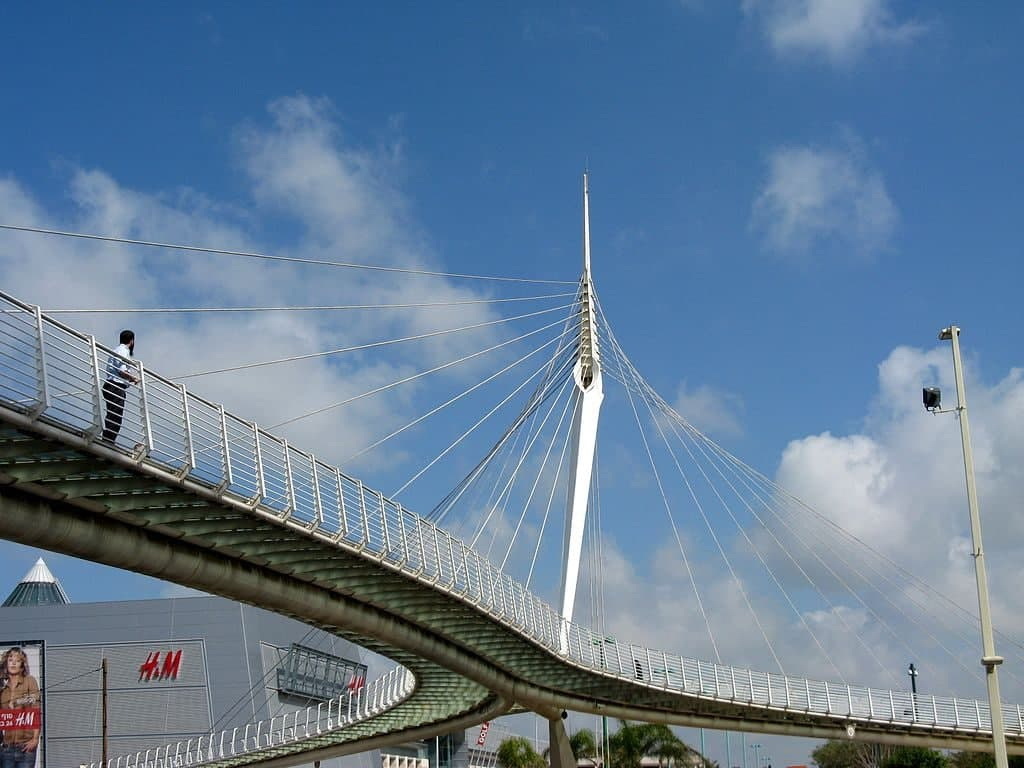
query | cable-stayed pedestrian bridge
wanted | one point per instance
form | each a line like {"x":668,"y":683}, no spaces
{"x":206,"y":499}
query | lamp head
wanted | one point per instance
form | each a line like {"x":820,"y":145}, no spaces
{"x":932,"y":397}
{"x":946,"y":334}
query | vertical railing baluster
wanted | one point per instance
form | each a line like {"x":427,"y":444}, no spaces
{"x":404,"y":538}
{"x":42,"y":380}
{"x":261,"y":475}
{"x":342,"y":523}
{"x":97,"y":382}
{"x":190,"y":453}
{"x":451,"y":556}
{"x":384,"y":525}
{"x":229,"y":477}
{"x":147,"y":422}
{"x":317,"y":503}
{"x":362,"y":507}
{"x":291,"y":507}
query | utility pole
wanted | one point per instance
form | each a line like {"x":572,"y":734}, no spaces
{"x":103,"y":705}
{"x":989,"y":660}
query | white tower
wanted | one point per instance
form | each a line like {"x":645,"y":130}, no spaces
{"x":586,"y":375}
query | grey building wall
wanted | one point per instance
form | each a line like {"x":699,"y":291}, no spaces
{"x":226,"y":678}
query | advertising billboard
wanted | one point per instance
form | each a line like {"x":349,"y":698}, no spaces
{"x":21,"y":704}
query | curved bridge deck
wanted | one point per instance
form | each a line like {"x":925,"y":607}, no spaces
{"x":208,"y":500}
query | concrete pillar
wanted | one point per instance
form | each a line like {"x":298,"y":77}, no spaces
{"x":560,"y":753}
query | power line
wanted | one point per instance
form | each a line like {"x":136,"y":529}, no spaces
{"x":271,"y":257}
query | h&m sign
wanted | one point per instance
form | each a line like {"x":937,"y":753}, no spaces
{"x":161,"y":666}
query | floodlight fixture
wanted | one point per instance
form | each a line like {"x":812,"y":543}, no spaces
{"x":932,"y":397}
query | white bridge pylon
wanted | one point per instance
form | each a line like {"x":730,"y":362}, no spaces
{"x":586,"y":375}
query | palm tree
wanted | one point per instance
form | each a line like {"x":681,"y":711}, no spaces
{"x":634,"y":741}
{"x":584,"y":745}
{"x":518,"y":752}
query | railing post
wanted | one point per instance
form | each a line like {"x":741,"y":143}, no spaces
{"x":317,"y":501}
{"x":147,"y":426}
{"x":451,"y":556}
{"x":402,"y":534}
{"x":342,"y":522}
{"x":365,"y":517}
{"x":97,"y":381}
{"x":261,"y":478}
{"x":229,"y":478}
{"x":290,"y":508}
{"x":190,"y":452}
{"x":384,"y":524}
{"x":42,"y":383}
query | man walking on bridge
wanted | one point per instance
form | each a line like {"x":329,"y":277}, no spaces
{"x":120,"y":373}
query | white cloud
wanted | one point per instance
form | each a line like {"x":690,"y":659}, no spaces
{"x":710,"y":410}
{"x":899,"y":486}
{"x":345,"y":204}
{"x":820,"y":200}
{"x":838,"y":30}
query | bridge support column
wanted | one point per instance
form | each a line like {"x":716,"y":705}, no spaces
{"x":560,"y":753}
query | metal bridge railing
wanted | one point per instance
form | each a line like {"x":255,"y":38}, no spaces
{"x":54,"y":374}
{"x":277,"y":732}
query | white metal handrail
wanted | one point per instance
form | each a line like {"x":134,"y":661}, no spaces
{"x":279,"y":731}
{"x":52,"y":372}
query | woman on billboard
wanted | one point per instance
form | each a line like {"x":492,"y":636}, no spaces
{"x":19,"y":711}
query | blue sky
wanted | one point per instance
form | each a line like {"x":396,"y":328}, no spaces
{"x":789,"y":197}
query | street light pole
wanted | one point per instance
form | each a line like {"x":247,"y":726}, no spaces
{"x":989,"y":659}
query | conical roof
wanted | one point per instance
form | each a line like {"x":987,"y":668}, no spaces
{"x":39,"y":587}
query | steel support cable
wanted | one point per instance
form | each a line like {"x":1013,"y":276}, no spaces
{"x":773,"y":509}
{"x":897,"y":586}
{"x":413,"y":377}
{"x":679,"y":542}
{"x":551,"y":496}
{"x":531,"y":430}
{"x":726,"y":456}
{"x":448,"y":402}
{"x":540,"y":471}
{"x":505,"y":492}
{"x":799,"y":614}
{"x":923,"y":587}
{"x":271,"y":257}
{"x":473,"y":502}
{"x":842,"y":533}
{"x":873,"y":587}
{"x":739,"y":583}
{"x":465,"y":434}
{"x":322,"y":308}
{"x":742,"y":530}
{"x":438,"y":513}
{"x":699,"y":439}
{"x":370,"y":345}
{"x":833,"y":609}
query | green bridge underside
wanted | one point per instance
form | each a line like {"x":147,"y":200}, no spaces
{"x":60,"y":492}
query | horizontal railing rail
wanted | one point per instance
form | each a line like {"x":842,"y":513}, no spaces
{"x":54,"y":373}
